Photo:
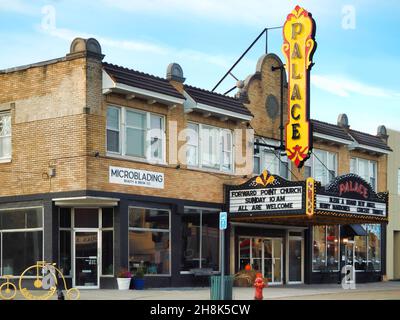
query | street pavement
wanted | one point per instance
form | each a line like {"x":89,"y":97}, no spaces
{"x":372,"y":291}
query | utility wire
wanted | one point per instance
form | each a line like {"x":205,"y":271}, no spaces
{"x":280,"y":160}
{"x":322,"y":164}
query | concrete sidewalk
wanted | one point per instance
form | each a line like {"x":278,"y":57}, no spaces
{"x":370,"y":291}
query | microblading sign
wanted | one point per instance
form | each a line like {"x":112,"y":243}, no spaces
{"x":135,"y":177}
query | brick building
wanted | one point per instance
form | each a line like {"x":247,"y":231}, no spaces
{"x":103,"y":167}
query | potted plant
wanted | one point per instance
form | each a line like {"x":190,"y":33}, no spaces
{"x":138,"y":279}
{"x":124,"y":279}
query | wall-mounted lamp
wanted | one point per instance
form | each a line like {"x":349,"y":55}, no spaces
{"x":51,"y":172}
{"x":345,"y":240}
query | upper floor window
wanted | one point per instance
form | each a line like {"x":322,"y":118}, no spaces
{"x":276,"y":164}
{"x":366,"y":169}
{"x":135,"y":133}
{"x":5,"y":136}
{"x":209,"y":147}
{"x":322,"y":166}
{"x":398,"y":181}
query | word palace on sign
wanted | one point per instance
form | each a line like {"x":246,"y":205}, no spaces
{"x":351,"y":195}
{"x":298,"y":48}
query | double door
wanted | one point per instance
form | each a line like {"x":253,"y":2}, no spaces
{"x":264,"y":255}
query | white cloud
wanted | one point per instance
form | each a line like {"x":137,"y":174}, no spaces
{"x":253,"y":12}
{"x":144,"y":47}
{"x":345,"y":87}
{"x":18,"y":6}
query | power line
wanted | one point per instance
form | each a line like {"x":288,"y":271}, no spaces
{"x":321,"y":162}
{"x":280,"y":160}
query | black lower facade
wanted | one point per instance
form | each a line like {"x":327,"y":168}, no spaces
{"x":93,"y":236}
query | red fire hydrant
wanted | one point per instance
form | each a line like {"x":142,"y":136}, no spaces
{"x":259,"y":285}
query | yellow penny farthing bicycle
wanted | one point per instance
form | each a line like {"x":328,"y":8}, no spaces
{"x":8,"y":290}
{"x":47,"y":277}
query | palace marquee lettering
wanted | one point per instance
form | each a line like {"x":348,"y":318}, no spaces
{"x":298,"y":48}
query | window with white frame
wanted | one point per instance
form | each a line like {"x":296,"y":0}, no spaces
{"x":271,"y":160}
{"x":366,"y":169}
{"x":103,"y":219}
{"x":136,"y":133}
{"x":209,"y":147}
{"x":21,"y":240}
{"x":398,"y":181}
{"x":322,"y":166}
{"x":5,"y":135}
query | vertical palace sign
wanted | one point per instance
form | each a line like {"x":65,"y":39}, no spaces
{"x":298,"y":48}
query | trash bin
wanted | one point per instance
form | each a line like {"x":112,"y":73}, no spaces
{"x":215,"y":287}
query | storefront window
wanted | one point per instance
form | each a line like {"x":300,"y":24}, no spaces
{"x":107,"y":242}
{"x":325,"y":248}
{"x":374,"y":247}
{"x":360,"y":252}
{"x":368,"y":249}
{"x":65,"y":252}
{"x":200,"y":239}
{"x":244,"y":253}
{"x":149,"y":240}
{"x":65,"y":245}
{"x":332,"y":247}
{"x":319,"y":248}
{"x":21,"y":231}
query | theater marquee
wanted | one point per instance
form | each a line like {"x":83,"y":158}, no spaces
{"x":351,"y":196}
{"x":267,"y":195}
{"x":298,"y":47}
{"x":347,"y":199}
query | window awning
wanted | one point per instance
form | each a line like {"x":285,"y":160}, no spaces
{"x":86,"y":201}
{"x":358,"y":230}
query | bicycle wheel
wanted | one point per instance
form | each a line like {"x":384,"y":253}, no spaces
{"x":7,"y":293}
{"x":73,"y":294}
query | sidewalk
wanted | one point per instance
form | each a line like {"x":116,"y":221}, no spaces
{"x":381,"y":290}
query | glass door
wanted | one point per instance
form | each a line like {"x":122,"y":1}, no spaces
{"x":349,"y":262}
{"x":264,"y":255}
{"x":268,"y":260}
{"x":257,"y":254}
{"x":86,"y":259}
{"x":277,"y":260}
{"x":273,"y":260}
{"x":295,"y":260}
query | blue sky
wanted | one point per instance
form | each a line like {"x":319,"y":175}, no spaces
{"x":357,"y":65}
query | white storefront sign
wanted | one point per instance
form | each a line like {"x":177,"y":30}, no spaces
{"x":267,"y":200}
{"x":135,"y":177}
{"x":353,"y":206}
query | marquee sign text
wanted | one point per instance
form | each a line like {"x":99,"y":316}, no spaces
{"x":353,"y":206}
{"x":268,"y":200}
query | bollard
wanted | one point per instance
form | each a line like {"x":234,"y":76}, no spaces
{"x":259,"y":285}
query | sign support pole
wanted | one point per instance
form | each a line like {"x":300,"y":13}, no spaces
{"x":222,"y":246}
{"x":223,"y":224}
